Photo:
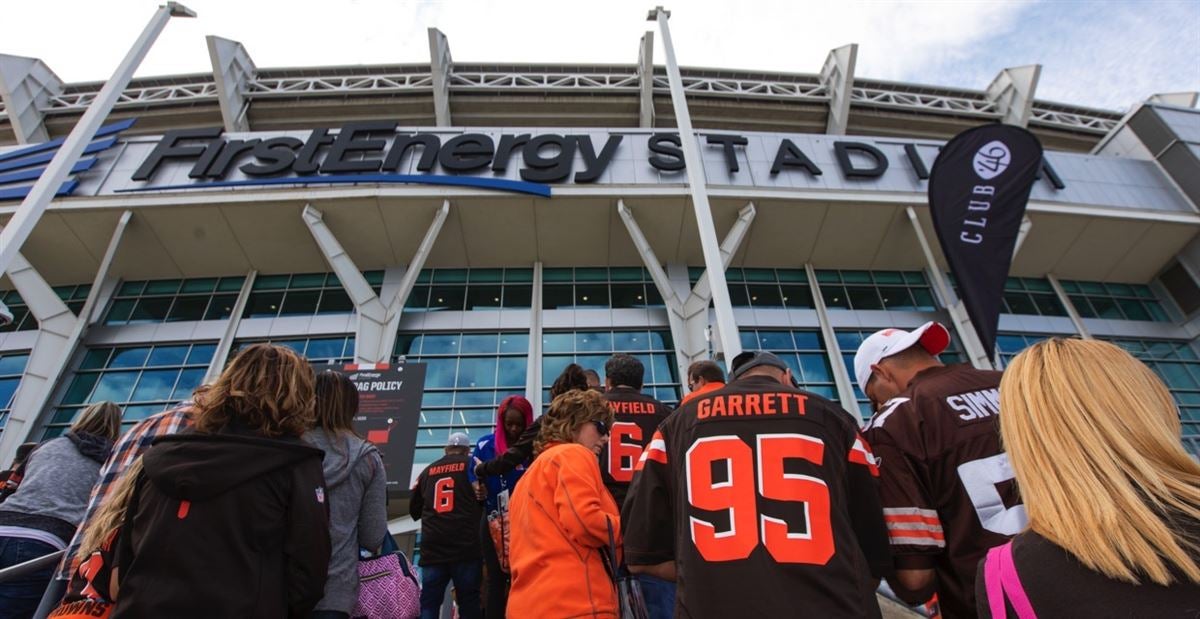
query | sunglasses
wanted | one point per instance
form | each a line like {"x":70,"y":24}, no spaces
{"x":601,"y":427}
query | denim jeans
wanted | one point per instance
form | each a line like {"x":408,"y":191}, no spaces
{"x":466,"y":576}
{"x":20,"y":596}
{"x":659,"y":595}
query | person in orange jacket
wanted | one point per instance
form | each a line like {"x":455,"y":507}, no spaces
{"x":702,"y":377}
{"x":562,"y":515}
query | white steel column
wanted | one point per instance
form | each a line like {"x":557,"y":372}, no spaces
{"x":838,"y":78}
{"x":688,"y":317}
{"x":232,"y":70}
{"x":1012,"y":91}
{"x":440,"y":66}
{"x":375,"y":333}
{"x":59,"y":333}
{"x":225,"y":346}
{"x":1072,"y":313}
{"x":26,"y":87}
{"x":646,"y":80}
{"x":533,"y":368}
{"x":958,"y":312}
{"x":21,"y":225}
{"x":727,"y":330}
{"x":841,"y":376}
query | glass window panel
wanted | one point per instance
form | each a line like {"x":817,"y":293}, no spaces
{"x":792,"y":275}
{"x":96,"y":358}
{"x":591,"y":295}
{"x":1020,"y":303}
{"x":162,"y":286}
{"x":140,"y":412}
{"x":1010,"y":344}
{"x":1176,"y":375}
{"x":407,"y":344}
{"x":188,"y":308}
{"x":552,"y":366}
{"x":591,"y":274}
{"x":627,"y":274}
{"x":336,"y":301}
{"x":667,"y":395}
{"x":471,"y":398}
{"x":816,"y":368}
{"x":1048,"y":305}
{"x":436,"y":398}
{"x":441,"y":344}
{"x":797,"y":296}
{"x":1106,"y":307}
{"x":417,"y":300}
{"x":307,"y":280}
{"x":1184,"y":351}
{"x":775,"y":340}
{"x":374,"y":279}
{"x":450,"y":276}
{"x":485,"y":417}
{"x":1092,"y":288}
{"x":271,"y":282}
{"x":479,"y":343}
{"x":65,"y":415}
{"x":129,"y":357}
{"x":897,"y":299}
{"x":596,"y":362}
{"x":750,"y":340}
{"x":205,"y":284}
{"x":1069,"y":286}
{"x":440,"y":373}
{"x":558,"y":342}
{"x":863,"y":298}
{"x":485,"y":276}
{"x":114,"y":386}
{"x":1120,"y":290}
{"x":8,"y":387}
{"x":1161,"y":350}
{"x":300,"y":303}
{"x":557,"y":296}
{"x":1133,"y":309}
{"x":151,"y":309}
{"x":230,"y":284}
{"x":155,"y":385}
{"x":514,"y":342}
{"x":325,"y":349}
{"x":518,"y":275}
{"x":511,"y":372}
{"x":1034,"y":284}
{"x":738,"y":296}
{"x":1083,"y":307}
{"x":518,"y":296}
{"x":823,"y":390}
{"x":221,"y":307}
{"x":119,"y":311}
{"x":558,"y":275}
{"x":13,"y":364}
{"x":1013,"y":284}
{"x":835,"y":297}
{"x":808,"y":340}
{"x":188,"y":381}
{"x":856,"y":277}
{"x":447,"y":298}
{"x":828,"y":277}
{"x":763,"y":295}
{"x":631,"y":340}
{"x":849,"y":340}
{"x":660,"y":340}
{"x":483,"y":297}
{"x":662,"y":366}
{"x":201,"y":354}
{"x":759,"y":275}
{"x":81,"y":388}
{"x":1144,"y":292}
{"x":923,"y":299}
{"x":734,"y":275}
{"x":263,"y":305}
{"x":476,"y":372}
{"x":888,"y":277}
{"x":628,"y":295}
{"x":1157,"y":312}
{"x":593,"y":341}
{"x":128,"y":289}
{"x":168,"y":355}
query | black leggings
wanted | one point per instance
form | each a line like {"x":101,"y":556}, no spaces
{"x":497,"y":581}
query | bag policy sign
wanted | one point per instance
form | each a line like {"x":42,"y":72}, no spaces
{"x":978,"y":190}
{"x":389,"y":411}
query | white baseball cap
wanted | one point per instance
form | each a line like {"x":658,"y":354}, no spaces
{"x":459,"y":439}
{"x":932,"y":336}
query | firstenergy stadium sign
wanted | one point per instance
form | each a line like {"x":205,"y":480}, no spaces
{"x":528,"y":163}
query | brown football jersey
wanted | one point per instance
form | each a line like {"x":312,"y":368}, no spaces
{"x":947,"y":488}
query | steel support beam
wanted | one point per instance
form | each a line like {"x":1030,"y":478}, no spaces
{"x":727,"y":331}
{"x":687,"y":317}
{"x":1012,"y":91}
{"x":646,"y":80}
{"x":838,"y":78}
{"x":59,"y":333}
{"x":440,"y":67}
{"x":1072,"y":313}
{"x":26,"y":87}
{"x":958,"y":312}
{"x":533,"y":368}
{"x":233,"y":70}
{"x":841,"y":376}
{"x":225,"y":345}
{"x":21,"y":225}
{"x":378,"y":321}
{"x":1179,"y":99}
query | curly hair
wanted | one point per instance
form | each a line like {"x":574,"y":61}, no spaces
{"x":267,"y":388}
{"x":567,"y":413}
{"x":572,"y":377}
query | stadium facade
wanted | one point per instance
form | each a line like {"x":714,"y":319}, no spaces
{"x":498,"y":221}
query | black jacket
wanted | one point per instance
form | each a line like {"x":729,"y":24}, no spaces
{"x":228,"y":525}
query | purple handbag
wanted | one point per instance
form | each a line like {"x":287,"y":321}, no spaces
{"x":387,"y":586}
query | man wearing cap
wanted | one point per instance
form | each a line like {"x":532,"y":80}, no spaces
{"x":759,"y":499}
{"x":947,"y":488}
{"x":445,"y":503}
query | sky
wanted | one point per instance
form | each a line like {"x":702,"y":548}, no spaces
{"x":1105,"y":54}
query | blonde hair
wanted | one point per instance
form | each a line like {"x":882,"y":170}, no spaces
{"x":269,"y":388}
{"x":1094,"y":438}
{"x":567,"y":413}
{"x":111,"y":513}
{"x":100,"y":419}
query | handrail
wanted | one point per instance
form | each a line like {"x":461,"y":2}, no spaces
{"x":21,"y":569}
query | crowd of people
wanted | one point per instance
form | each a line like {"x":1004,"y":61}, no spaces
{"x":754,"y":497}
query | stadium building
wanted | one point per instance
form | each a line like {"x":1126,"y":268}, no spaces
{"x":496,"y":222}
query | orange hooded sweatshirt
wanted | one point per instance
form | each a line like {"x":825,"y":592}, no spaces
{"x":560,"y":513}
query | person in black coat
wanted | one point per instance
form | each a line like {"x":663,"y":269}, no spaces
{"x":230,"y":518}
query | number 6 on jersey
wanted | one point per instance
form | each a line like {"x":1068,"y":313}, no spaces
{"x":738,"y":495}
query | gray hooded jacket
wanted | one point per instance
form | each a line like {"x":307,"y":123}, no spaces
{"x":356,"y":484}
